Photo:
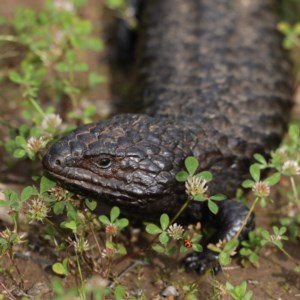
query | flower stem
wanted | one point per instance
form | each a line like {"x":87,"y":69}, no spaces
{"x":9,"y":38}
{"x":14,"y":39}
{"x":81,"y":291}
{"x":151,"y":242}
{"x":297,"y":263}
{"x":37,"y":107}
{"x":292,"y":180}
{"x":180,"y":211}
{"x":247,"y":217}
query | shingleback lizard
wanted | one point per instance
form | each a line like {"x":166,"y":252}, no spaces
{"x":211,"y":81}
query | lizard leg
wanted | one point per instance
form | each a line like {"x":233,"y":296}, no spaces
{"x":227,"y":223}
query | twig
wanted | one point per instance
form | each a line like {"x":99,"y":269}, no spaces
{"x":8,"y":292}
{"x":18,"y":271}
{"x":96,"y":240}
{"x":129,"y":268}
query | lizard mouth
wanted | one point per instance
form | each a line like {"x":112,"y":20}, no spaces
{"x":85,"y":183}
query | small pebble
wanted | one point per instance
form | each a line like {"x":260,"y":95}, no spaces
{"x":39,"y":289}
{"x":96,"y":282}
{"x":170,"y":292}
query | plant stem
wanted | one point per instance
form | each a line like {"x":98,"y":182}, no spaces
{"x":10,"y":255}
{"x":124,"y":272}
{"x":37,"y":107}
{"x":72,"y":95}
{"x":14,"y":39}
{"x":182,"y":208}
{"x":246,"y":218}
{"x":81,"y":291}
{"x":16,"y":221}
{"x":292,"y":180}
{"x":54,"y":226}
{"x":297,"y":263}
{"x":9,"y":38}
{"x":85,"y":259}
{"x":147,"y":247}
{"x":8,"y":291}
{"x":97,"y":245}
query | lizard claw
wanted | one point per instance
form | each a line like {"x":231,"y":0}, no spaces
{"x":201,"y":262}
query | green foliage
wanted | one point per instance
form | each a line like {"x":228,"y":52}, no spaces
{"x":113,"y":226}
{"x":17,"y":202}
{"x":60,"y":292}
{"x":251,"y":247}
{"x":293,"y":226}
{"x":275,"y":238}
{"x":91,"y":204}
{"x":213,"y":207}
{"x":196,"y":184}
{"x":192,"y":164}
{"x":52,"y":39}
{"x":8,"y":240}
{"x":166,"y":233}
{"x":261,"y":188}
{"x":239,"y":292}
{"x":114,"y":214}
{"x":124,"y":9}
{"x":194,"y":240}
{"x":291,"y":34}
{"x":190,"y":291}
{"x":225,"y":250}
{"x":61,"y":268}
{"x":120,"y":292}
{"x":116,"y":4}
{"x":89,"y":292}
{"x":162,"y":235}
{"x":284,"y":163}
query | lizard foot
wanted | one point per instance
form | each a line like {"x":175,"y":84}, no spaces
{"x":201,"y":262}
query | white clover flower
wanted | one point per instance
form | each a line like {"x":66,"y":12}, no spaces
{"x":6,"y":234}
{"x":222,"y":243}
{"x":37,"y":210}
{"x":111,"y":229}
{"x":292,"y":167}
{"x":51,"y":121}
{"x":63,"y":5}
{"x":195,"y":186}
{"x":35,"y":144}
{"x":275,"y":237}
{"x":261,"y":189}
{"x":108,"y":253}
{"x":81,"y":245}
{"x":282,"y":151}
{"x":175,"y":231}
{"x":59,"y":193}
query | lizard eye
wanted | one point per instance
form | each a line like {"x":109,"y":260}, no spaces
{"x":103,"y":163}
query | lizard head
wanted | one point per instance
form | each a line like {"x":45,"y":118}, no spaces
{"x":127,"y":160}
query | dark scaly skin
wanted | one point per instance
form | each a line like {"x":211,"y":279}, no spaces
{"x":213,"y":82}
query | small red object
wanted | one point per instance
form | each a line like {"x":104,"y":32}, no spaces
{"x":188,"y":243}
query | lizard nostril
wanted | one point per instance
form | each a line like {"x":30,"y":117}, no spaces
{"x":57,"y":162}
{"x":76,"y":154}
